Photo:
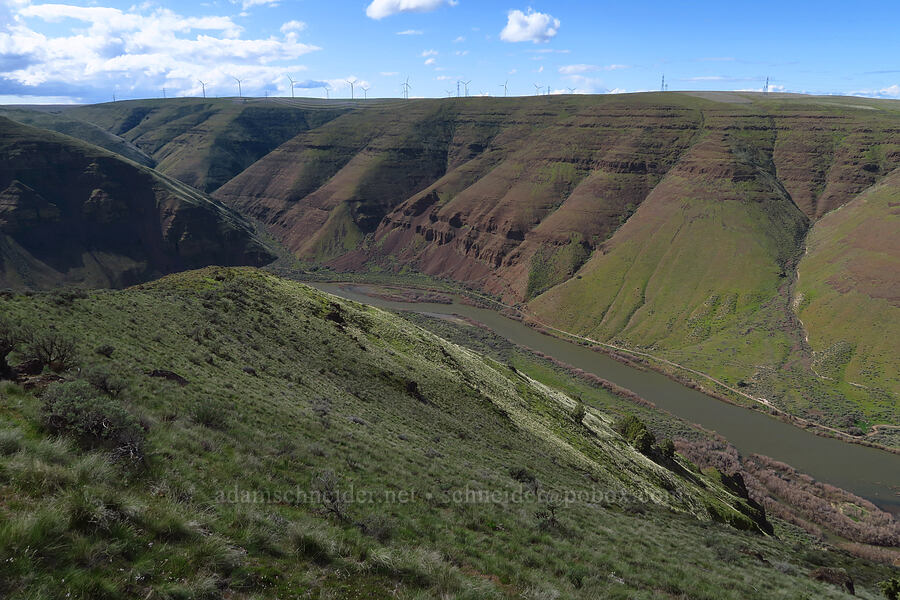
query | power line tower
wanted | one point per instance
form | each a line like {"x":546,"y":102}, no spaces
{"x":662,"y":86}
{"x":766,"y":89}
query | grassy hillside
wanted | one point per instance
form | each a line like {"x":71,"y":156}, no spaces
{"x":75,"y":214}
{"x":852,"y":268}
{"x":201,"y":142}
{"x":212,"y":458}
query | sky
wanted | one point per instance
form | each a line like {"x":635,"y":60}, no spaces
{"x":81,"y":51}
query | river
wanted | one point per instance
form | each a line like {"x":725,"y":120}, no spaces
{"x":867,"y":472}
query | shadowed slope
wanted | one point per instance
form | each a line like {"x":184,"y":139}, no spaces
{"x":72,"y":213}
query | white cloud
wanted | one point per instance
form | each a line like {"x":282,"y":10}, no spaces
{"x":427,"y":53}
{"x":389,"y":73}
{"x":459,"y":40}
{"x":138,"y":51}
{"x":574,"y":69}
{"x":892,"y":91}
{"x":251,"y":3}
{"x":532,"y":26}
{"x":430,"y":61}
{"x":293,"y":26}
{"x":410,"y":32}
{"x":380,"y":9}
{"x":461,"y":52}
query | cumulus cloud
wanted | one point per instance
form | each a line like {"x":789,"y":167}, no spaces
{"x":575,"y":69}
{"x":891,"y":91}
{"x":138,"y":51}
{"x":430,"y":61}
{"x":251,"y":3}
{"x":427,"y":53}
{"x":293,"y":26}
{"x":532,"y":26}
{"x":380,"y":9}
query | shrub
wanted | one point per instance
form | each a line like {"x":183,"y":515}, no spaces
{"x":102,"y":378}
{"x":52,"y":349}
{"x":667,"y":448}
{"x":636,"y":433}
{"x":11,"y":335}
{"x":579,"y":412}
{"x":890,"y":588}
{"x":326,"y":487}
{"x":105,"y":350}
{"x":74,"y":407}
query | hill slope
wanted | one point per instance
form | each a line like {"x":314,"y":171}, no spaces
{"x":72,"y":213}
{"x":852,"y":268}
{"x":201,"y":142}
{"x":54,"y":120}
{"x":264,"y":403}
{"x":670,"y":223}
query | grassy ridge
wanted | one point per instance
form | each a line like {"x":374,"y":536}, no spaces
{"x":288,"y":389}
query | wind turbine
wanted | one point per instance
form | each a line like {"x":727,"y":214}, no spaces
{"x":325,"y":87}
{"x":449,"y":93}
{"x":291,"y":79}
{"x":457,"y":87}
{"x":203,"y":85}
{"x":406,"y":87}
{"x":503,"y":85}
{"x":537,"y":89}
{"x":571,"y":90}
{"x":240,"y":91}
{"x":365,"y":92}
{"x":466,"y":85}
{"x":351,"y":82}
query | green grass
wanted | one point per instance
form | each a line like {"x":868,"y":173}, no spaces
{"x":287,"y":385}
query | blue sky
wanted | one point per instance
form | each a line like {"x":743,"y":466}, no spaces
{"x":86,"y":51}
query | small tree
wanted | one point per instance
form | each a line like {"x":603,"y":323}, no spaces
{"x":579,"y":413}
{"x":52,"y":349}
{"x":636,"y":433}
